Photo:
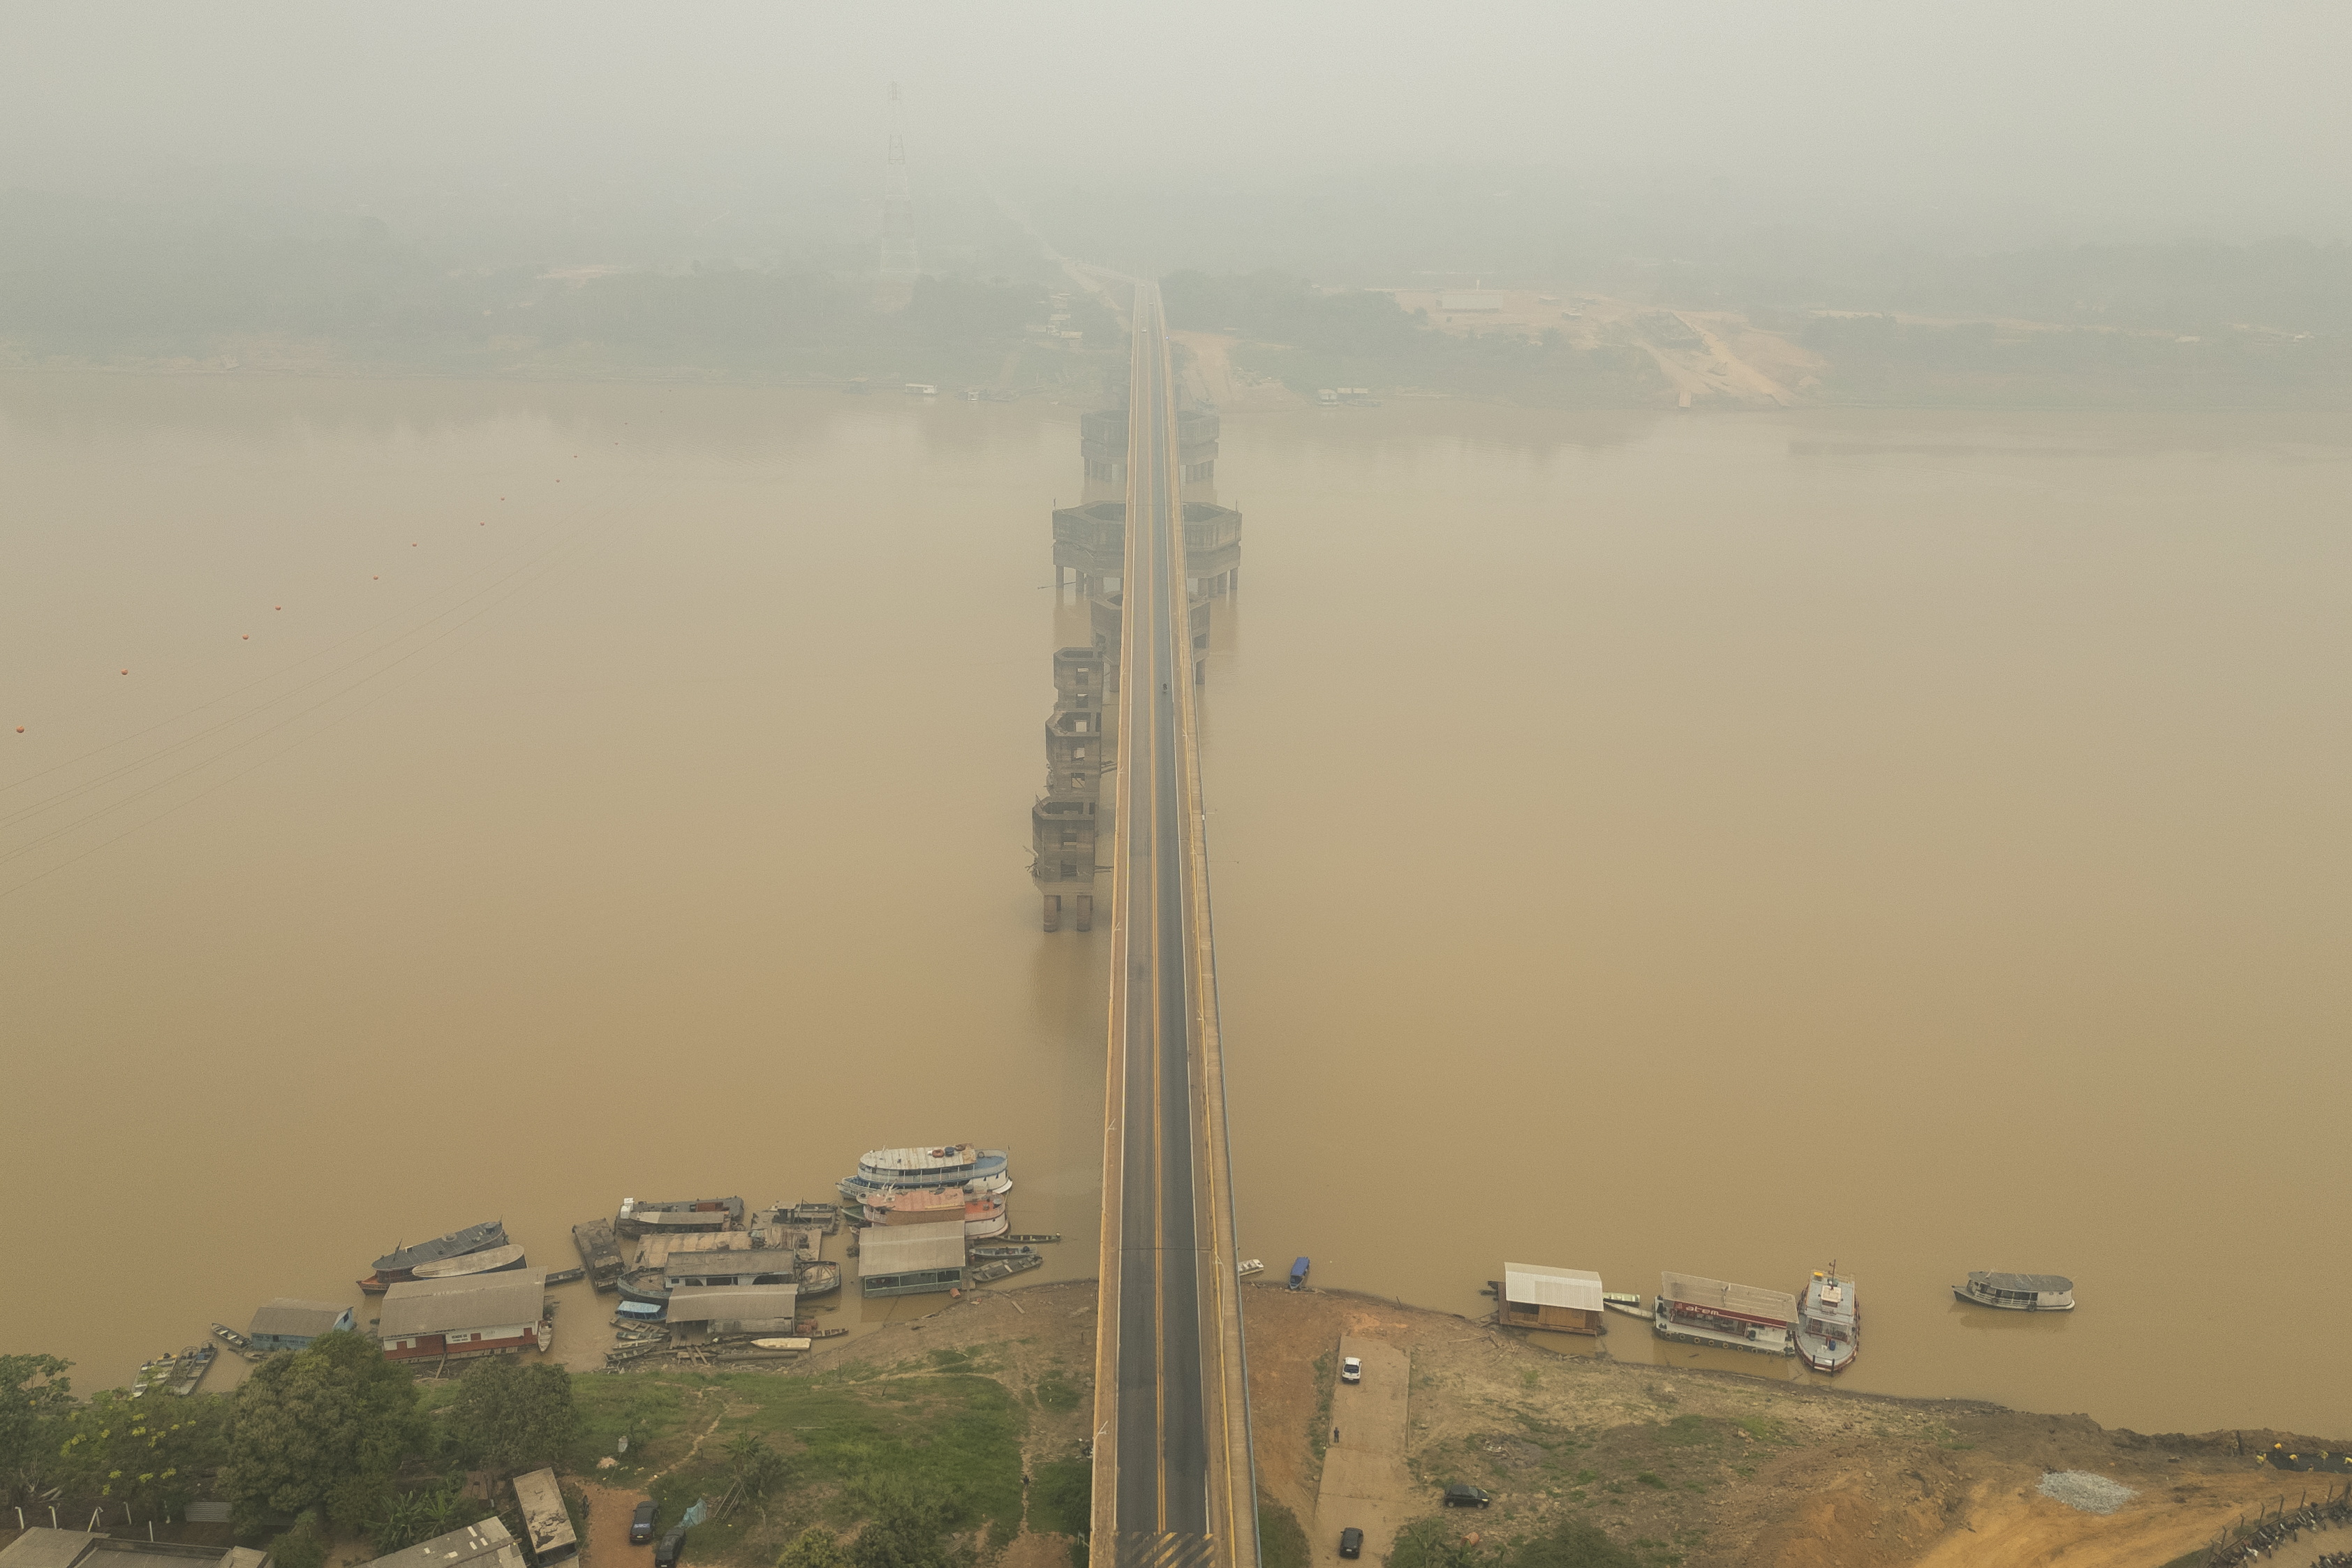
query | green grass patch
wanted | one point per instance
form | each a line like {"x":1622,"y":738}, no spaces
{"x":1281,"y":1541}
{"x":950,"y":1436}
{"x":1055,"y":1392}
{"x":1318,"y":1436}
{"x":1689,"y":1432}
{"x":1647,"y":1480}
{"x":1061,"y":1497}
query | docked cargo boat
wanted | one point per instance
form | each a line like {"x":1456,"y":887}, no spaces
{"x":1701,"y":1312}
{"x":982,"y":1218}
{"x":1828,"y":1322}
{"x":401,"y":1262}
{"x":2019,"y":1292}
{"x":884,"y":1170}
{"x":683,"y":1216}
{"x":496,"y":1260}
{"x":727,"y":1258}
{"x":235,"y":1342}
{"x":599,"y":1253}
{"x":189,"y":1371}
{"x":819,"y":1279}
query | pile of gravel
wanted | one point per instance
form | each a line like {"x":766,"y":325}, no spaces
{"x":2088,"y":1494}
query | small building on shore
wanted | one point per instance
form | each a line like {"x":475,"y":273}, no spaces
{"x":287,"y":1324}
{"x":1536,"y":1295}
{"x":40,"y":1546}
{"x":471,"y":1315}
{"x":911,"y":1259}
{"x":544,"y":1518}
{"x":488,"y":1544}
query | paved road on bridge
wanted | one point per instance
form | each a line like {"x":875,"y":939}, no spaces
{"x":1173,"y":1483}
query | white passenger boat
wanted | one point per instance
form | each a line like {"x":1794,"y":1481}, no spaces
{"x":1828,"y":1322}
{"x":2019,"y":1292}
{"x":881,"y":1171}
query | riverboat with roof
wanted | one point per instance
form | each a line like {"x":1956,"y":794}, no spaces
{"x":1829,"y":1322}
{"x":982,"y":1218}
{"x":677,"y":1216}
{"x":2019,"y":1292}
{"x":401,"y":1262}
{"x":885,"y":1171}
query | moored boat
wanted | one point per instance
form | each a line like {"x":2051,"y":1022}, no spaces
{"x":189,"y":1371}
{"x":599,"y":1253}
{"x":235,"y":1342}
{"x":494,"y":1260}
{"x":1697,"y":1310}
{"x":819,"y":1279}
{"x":401,"y":1262}
{"x":1829,"y":1322}
{"x":681,"y":1215}
{"x":2017,"y":1292}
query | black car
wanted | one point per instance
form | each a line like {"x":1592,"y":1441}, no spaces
{"x":665,"y":1555}
{"x":641,"y":1528}
{"x":1459,"y":1496}
{"x":1351,"y":1542}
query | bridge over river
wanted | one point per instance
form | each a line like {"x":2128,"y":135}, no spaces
{"x":1173,"y":1483}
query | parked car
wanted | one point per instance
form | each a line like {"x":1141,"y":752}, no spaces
{"x":1351,"y":1370}
{"x":641,"y":1528}
{"x":1460,"y":1496}
{"x":665,"y":1555}
{"x":1351,"y":1542}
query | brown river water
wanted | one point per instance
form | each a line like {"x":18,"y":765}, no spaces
{"x":1715,"y":844}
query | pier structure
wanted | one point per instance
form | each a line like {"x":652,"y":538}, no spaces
{"x":1072,"y":819}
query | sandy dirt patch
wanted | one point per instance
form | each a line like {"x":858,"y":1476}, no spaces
{"x":610,"y":1509}
{"x":1365,"y":1484}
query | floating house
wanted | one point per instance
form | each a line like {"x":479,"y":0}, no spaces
{"x":1701,"y":1312}
{"x":1536,"y":1295}
{"x":735,"y":1309}
{"x":475,"y":1314}
{"x":287,"y":1324}
{"x":544,"y":1520}
{"x":911,"y":1259}
{"x":485,"y":1545}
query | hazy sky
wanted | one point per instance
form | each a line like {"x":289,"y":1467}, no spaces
{"x":2207,"y":117}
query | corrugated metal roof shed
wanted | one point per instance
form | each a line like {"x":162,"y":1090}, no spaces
{"x":1537,"y":1285}
{"x":702,"y":1303}
{"x":1746,"y":1301}
{"x":543,"y":1515}
{"x":471,"y":1301}
{"x":288,"y":1315}
{"x":905,"y":1249}
{"x":43,"y":1548}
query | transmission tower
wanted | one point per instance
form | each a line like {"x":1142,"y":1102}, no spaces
{"x":898,"y":259}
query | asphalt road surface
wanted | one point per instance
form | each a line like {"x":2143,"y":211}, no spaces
{"x":1163,"y":1441}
